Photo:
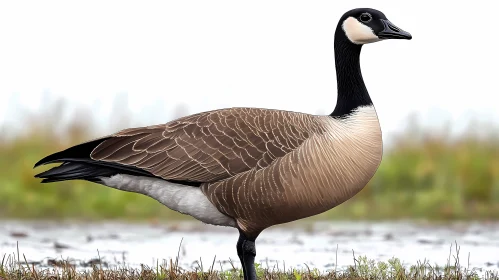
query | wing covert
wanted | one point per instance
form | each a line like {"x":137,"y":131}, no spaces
{"x":208,"y":146}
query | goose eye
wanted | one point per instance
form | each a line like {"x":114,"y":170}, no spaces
{"x":366,"y":17}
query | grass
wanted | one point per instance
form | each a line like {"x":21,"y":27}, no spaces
{"x":13,"y":267}
{"x":422,"y":176}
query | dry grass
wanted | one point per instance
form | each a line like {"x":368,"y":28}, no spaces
{"x":16,"y":267}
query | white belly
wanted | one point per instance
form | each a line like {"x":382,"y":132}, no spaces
{"x":184,"y":199}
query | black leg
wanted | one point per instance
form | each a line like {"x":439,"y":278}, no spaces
{"x":246,"y":251}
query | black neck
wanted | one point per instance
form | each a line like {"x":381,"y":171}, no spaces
{"x":352,"y":91}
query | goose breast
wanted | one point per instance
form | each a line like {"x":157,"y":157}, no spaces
{"x":328,"y":168}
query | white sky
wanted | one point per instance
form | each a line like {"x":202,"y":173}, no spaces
{"x":273,"y":54}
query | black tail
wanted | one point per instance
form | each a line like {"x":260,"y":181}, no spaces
{"x":76,"y":171}
{"x":77,"y":165}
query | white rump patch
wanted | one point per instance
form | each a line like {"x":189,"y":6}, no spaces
{"x":359,"y":33}
{"x":184,"y":199}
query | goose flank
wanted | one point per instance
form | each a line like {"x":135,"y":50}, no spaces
{"x":249,"y":168}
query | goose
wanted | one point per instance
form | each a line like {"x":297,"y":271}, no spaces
{"x":249,"y":168}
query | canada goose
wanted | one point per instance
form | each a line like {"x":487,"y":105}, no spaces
{"x":249,"y":168}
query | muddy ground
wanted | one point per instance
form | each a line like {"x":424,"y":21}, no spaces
{"x":324,"y":245}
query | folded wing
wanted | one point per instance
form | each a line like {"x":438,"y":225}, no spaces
{"x":209,"y":146}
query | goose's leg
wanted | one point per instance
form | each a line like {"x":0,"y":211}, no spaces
{"x":246,"y":251}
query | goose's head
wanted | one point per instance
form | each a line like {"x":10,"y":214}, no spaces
{"x":364,"y":26}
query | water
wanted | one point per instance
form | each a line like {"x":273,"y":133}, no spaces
{"x":325,"y":246}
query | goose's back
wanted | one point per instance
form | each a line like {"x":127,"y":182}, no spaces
{"x":209,"y":146}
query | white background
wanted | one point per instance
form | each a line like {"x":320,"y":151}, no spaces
{"x":273,"y":54}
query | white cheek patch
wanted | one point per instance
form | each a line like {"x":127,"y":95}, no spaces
{"x":358,"y":33}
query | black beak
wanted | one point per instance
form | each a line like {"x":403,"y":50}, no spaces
{"x":391,"y":31}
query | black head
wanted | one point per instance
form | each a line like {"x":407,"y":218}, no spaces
{"x":365,"y":25}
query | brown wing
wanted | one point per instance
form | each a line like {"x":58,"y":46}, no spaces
{"x":208,"y":146}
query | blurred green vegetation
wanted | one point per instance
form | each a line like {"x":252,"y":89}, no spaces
{"x":422,"y":176}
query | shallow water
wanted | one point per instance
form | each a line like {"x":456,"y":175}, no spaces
{"x":316,"y":245}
